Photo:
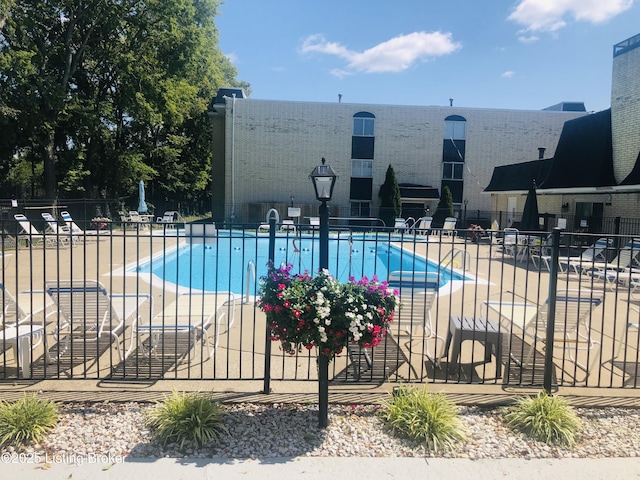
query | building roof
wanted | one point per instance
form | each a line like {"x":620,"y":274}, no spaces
{"x":583,"y":160}
{"x":567,"y":107}
{"x":584,"y":155}
{"x":518,"y":177}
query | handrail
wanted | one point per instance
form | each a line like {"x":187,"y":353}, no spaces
{"x":251,"y":270}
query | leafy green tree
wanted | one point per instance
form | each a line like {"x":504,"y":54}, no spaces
{"x":445,"y":207}
{"x":96,"y":95}
{"x":390,"y":202}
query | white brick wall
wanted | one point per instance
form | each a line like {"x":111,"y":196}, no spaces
{"x":625,"y":112}
{"x":276,"y":144}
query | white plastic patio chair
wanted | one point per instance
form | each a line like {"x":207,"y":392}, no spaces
{"x":60,"y":232}
{"x":190,"y":314}
{"x":31,"y":233}
{"x":76,"y":231}
{"x":449,"y":226}
{"x":88,"y":313}
{"x":17,"y":332}
{"x":418,"y":292}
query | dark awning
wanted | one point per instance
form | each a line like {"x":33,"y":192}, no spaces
{"x":417,"y":192}
{"x":518,"y":177}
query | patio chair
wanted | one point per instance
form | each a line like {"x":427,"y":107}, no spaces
{"x":314,"y":222}
{"x":623,"y":269}
{"x":168,"y":219}
{"x":573,"y":314}
{"x":31,"y":233}
{"x":595,"y":253}
{"x":423,"y":226}
{"x":191,"y":314}
{"x":508,"y":244}
{"x":288,"y":226}
{"x":17,"y":332}
{"x":418,"y":291}
{"x":76,"y":231}
{"x":449,"y":226}
{"x":88,"y":313}
{"x":61,"y":233}
{"x":399,"y":225}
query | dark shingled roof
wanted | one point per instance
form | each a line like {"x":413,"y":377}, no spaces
{"x":584,"y":156}
{"x":518,"y":176}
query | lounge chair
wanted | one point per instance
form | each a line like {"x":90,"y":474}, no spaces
{"x":314,"y":222}
{"x":423,"y":226}
{"x":623,"y":269}
{"x":573,"y":315}
{"x":31,"y":233}
{"x":88,"y":313}
{"x":77,"y":231}
{"x":191,"y":314}
{"x":595,"y":253}
{"x":62,"y":233}
{"x":168,"y":219}
{"x":18,"y":332}
{"x":288,"y":226}
{"x":449,"y":226}
{"x":418,"y":291}
{"x":399,"y":225}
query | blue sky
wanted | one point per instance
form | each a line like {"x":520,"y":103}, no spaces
{"x":517,"y":54}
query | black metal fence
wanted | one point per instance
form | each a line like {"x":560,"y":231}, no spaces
{"x":142,"y":300}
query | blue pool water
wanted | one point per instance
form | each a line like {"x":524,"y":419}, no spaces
{"x":222,"y":265}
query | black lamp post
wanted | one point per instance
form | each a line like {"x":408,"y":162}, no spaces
{"x":324,"y":179}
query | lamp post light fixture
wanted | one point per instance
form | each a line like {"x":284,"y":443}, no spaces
{"x":324,"y":179}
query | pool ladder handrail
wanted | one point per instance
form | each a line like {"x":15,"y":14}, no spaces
{"x":251,"y":271}
{"x":456,"y":258}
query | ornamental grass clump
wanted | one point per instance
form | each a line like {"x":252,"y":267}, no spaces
{"x":26,"y":420}
{"x":321,"y":312}
{"x":545,"y":418}
{"x":425,"y":417}
{"x":186,"y":418}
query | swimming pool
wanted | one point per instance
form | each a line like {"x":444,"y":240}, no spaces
{"x":223,"y":265}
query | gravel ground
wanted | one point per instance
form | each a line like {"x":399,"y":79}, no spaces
{"x":285,"y":430}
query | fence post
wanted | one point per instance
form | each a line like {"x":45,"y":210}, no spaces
{"x":551,"y":313}
{"x":267,"y":340}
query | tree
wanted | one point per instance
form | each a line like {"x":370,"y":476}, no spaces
{"x":390,"y":202}
{"x":96,"y":95}
{"x":445,"y":207}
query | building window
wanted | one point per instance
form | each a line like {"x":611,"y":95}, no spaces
{"x":360,"y":209}
{"x":363,"y":124}
{"x":362,"y":168}
{"x":452,"y":170}
{"x":455,"y":128}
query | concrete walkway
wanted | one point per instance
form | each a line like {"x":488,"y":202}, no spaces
{"x":329,"y":467}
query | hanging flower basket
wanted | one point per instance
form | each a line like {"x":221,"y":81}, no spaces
{"x":306,"y":312}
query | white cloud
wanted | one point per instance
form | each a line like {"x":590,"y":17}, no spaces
{"x":233,"y":58}
{"x":394,"y":55}
{"x":552,"y":15}
{"x":508,"y":74}
{"x":528,"y":38}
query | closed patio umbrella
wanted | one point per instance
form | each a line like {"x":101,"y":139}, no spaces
{"x":142,"y":205}
{"x":530,"y":220}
